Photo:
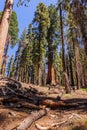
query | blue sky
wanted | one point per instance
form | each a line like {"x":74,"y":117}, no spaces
{"x":25,"y":14}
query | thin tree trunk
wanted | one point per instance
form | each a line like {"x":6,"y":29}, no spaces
{"x":71,"y":68}
{"x":62,"y":38}
{"x":3,"y":67}
{"x":4,"y":25}
{"x":39,"y":59}
{"x":67,"y":85}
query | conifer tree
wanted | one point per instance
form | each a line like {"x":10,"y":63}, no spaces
{"x":73,"y":38}
{"x":52,"y":38}
{"x":42,"y":22}
{"x":18,"y":60}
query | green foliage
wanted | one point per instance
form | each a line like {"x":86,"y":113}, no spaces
{"x":42,"y":18}
{"x":54,"y":24}
{"x":13,"y":28}
{"x":41,"y":22}
{"x":85,"y":89}
{"x":53,"y":32}
{"x":26,"y":57}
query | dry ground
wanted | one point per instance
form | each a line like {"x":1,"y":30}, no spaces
{"x":56,"y":119}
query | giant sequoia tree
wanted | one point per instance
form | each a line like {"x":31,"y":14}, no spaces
{"x":52,"y":38}
{"x":11,"y":38}
{"x":4,"y":25}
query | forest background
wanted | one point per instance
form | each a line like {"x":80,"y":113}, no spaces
{"x":39,"y":59}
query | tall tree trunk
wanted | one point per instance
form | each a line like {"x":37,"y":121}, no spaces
{"x":51,"y":73}
{"x":4,"y":25}
{"x":77,"y":63}
{"x":39,"y":59}
{"x":67,"y":85}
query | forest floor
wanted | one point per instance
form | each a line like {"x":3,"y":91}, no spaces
{"x":58,"y":117}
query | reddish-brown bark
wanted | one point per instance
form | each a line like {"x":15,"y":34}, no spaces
{"x":51,"y":74}
{"x":67,"y":85}
{"x":4,"y":25}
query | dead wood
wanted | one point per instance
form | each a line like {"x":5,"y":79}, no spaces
{"x":13,"y":87}
{"x":26,"y":123}
{"x":28,"y":105}
{"x":17,"y":102}
{"x":9,"y":99}
{"x":20,"y":95}
{"x":59,"y":124}
{"x":59,"y":104}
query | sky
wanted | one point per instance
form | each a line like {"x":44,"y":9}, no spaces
{"x":25,"y":15}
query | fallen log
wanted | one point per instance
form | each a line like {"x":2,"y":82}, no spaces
{"x":28,"y":105}
{"x":26,"y":123}
{"x":19,"y":103}
{"x":59,"y":124}
{"x":59,"y":104}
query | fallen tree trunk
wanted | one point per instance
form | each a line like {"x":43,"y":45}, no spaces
{"x":28,"y":105}
{"x":26,"y":123}
{"x":59,"y":124}
{"x":61,"y":104}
